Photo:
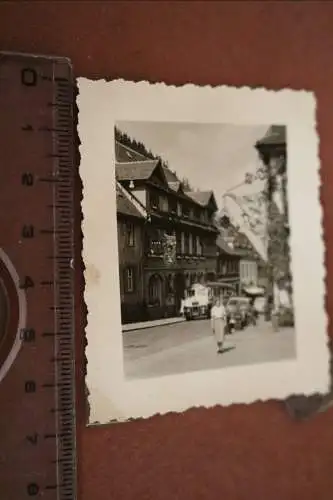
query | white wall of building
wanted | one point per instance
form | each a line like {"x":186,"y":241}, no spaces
{"x":248,"y":272}
{"x":141,"y":195}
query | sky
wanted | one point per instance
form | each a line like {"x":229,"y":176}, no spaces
{"x":211,"y":156}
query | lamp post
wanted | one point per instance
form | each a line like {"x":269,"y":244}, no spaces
{"x":273,"y":153}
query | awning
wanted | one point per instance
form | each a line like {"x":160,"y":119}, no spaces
{"x":254,"y":290}
{"x":219,"y":284}
{"x":234,"y":280}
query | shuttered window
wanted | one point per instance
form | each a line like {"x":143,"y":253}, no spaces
{"x":130,"y":234}
{"x":129,"y":279}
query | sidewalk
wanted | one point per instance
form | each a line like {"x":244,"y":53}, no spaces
{"x":151,"y":324}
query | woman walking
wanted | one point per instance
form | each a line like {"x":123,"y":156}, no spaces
{"x":218,"y":323}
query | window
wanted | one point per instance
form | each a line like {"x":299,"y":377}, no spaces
{"x":194,"y":245}
{"x":130,"y":234}
{"x":155,"y":290}
{"x":173,"y":206}
{"x":210,"y":217}
{"x":190,"y":244}
{"x":169,"y":284}
{"x":199,"y":246}
{"x":197,"y":213}
{"x":243,"y":271}
{"x":164,"y":204}
{"x":186,"y":243}
{"x":129,"y":280}
{"x":182,"y":243}
{"x":154,"y":201}
{"x":178,"y":242}
{"x":179,"y":209}
{"x":186,"y":212}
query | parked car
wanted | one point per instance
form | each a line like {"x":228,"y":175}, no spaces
{"x":238,"y":309}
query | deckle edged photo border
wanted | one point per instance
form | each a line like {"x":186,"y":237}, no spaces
{"x":101,"y":106}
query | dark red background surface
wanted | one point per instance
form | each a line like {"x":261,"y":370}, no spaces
{"x":241,"y":452}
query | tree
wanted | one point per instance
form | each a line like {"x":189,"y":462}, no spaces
{"x":186,"y":184}
{"x":137,"y":146}
{"x":278,"y":251}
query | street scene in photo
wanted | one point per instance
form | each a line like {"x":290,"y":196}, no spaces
{"x":203,"y":246}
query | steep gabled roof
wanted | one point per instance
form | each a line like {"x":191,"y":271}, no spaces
{"x":175,"y":186}
{"x":125,"y":206}
{"x":132,"y":166}
{"x":125,"y":154}
{"x":138,"y":170}
{"x":202,"y":197}
{"x":243,"y":244}
{"x":170,"y":176}
{"x":160,"y":170}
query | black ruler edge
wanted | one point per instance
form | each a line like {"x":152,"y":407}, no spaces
{"x":64,"y":467}
{"x":65,"y":418}
{"x":49,"y":58}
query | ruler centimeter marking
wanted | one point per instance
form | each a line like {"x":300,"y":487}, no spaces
{"x":36,"y":118}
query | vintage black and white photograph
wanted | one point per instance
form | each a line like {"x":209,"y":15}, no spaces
{"x":202,"y":246}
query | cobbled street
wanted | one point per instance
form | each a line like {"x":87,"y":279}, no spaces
{"x":190,"y":346}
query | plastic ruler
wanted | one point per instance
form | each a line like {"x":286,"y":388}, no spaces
{"x":37,"y":373}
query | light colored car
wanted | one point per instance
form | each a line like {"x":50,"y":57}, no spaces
{"x":197,"y":303}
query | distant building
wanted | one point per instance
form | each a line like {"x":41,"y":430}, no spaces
{"x":178,"y":242}
{"x":228,"y":265}
{"x":248,"y":264}
{"x":252,"y":269}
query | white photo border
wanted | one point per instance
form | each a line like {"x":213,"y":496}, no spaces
{"x":101,"y":105}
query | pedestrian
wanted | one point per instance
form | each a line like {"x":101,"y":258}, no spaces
{"x":253,"y":313}
{"x":218,"y":323}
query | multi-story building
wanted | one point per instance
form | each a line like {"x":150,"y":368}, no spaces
{"x":228,"y":265}
{"x":130,"y":225}
{"x":249,"y":262}
{"x":252,"y":269}
{"x":179,"y":233}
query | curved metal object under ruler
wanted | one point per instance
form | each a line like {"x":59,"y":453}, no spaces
{"x":37,"y":379}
